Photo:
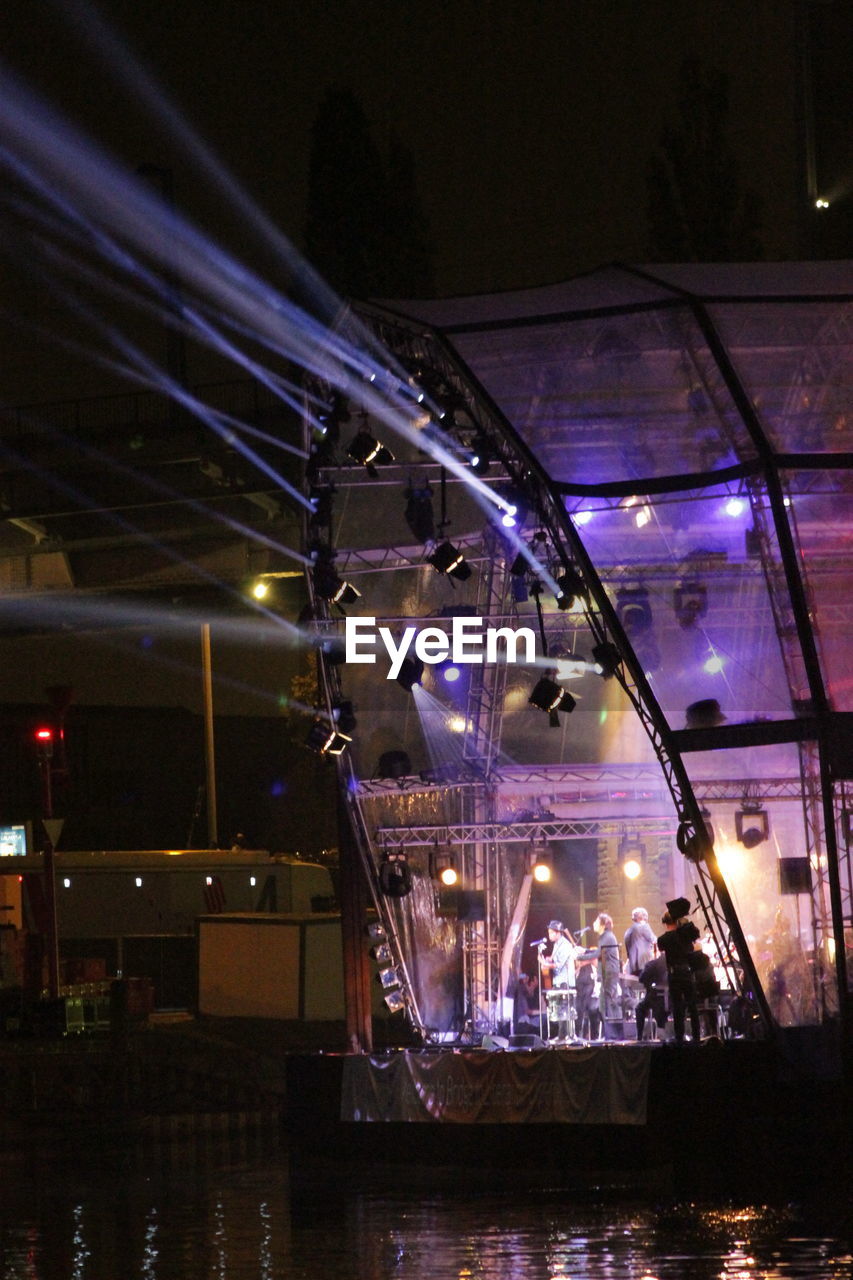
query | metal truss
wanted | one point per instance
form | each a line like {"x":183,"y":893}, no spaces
{"x":528,"y":832}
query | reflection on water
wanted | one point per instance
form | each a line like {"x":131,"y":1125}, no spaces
{"x":196,"y":1221}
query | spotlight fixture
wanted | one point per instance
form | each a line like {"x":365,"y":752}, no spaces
{"x":382,"y":953}
{"x":419,"y":512}
{"x":376,"y":931}
{"x":442,"y":867}
{"x":328,"y":586}
{"x":571,"y":587}
{"x":632,"y":857}
{"x":633,"y":610}
{"x":607,"y":659}
{"x":548,"y":696}
{"x":410,"y":673}
{"x":344,"y":717}
{"x":395,"y":876}
{"x":321,"y":498}
{"x":752,"y":825}
{"x":541,"y":864}
{"x":395,"y":1001}
{"x":368,"y":451}
{"x":388,"y":978}
{"x":330,"y":416}
{"x":690,"y":602}
{"x":326,"y":740}
{"x":482,"y":454}
{"x":447,"y":559}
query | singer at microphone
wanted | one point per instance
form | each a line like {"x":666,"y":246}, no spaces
{"x":540,"y":942}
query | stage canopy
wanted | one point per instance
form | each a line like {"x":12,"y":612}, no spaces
{"x":676,"y":443}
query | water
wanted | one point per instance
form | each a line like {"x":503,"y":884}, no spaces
{"x":257,"y":1219}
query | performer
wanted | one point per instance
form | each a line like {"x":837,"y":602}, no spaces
{"x":678,"y":944}
{"x":607,"y":954}
{"x":653,"y":980}
{"x":586,"y":997}
{"x":639,"y":942}
{"x":560,"y":962}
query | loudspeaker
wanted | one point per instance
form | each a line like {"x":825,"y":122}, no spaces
{"x":795,"y":875}
{"x":494,"y":1042}
{"x":529,"y":1041}
{"x":471,"y":905}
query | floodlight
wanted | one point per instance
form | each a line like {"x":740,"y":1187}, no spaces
{"x":548,"y":696}
{"x":367,"y":450}
{"x":388,"y":978}
{"x":442,"y":867}
{"x":325,"y":740}
{"x":541,"y":864}
{"x":447,"y":559}
{"x":382,"y":953}
{"x":395,"y":1000}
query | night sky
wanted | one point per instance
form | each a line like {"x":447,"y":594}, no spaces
{"x":530,"y":124}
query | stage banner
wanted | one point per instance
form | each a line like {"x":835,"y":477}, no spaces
{"x":576,"y":1086}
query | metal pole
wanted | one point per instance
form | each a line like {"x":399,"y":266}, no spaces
{"x":52,"y":939}
{"x":209,"y":759}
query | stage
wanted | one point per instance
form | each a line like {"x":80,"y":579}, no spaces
{"x":719,"y":1114}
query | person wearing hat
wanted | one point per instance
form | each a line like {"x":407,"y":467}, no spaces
{"x":560,"y":961}
{"x":677,"y":944}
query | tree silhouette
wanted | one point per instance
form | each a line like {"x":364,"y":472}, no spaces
{"x":364,"y":230}
{"x":697,"y":208}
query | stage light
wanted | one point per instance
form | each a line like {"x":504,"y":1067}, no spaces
{"x":396,"y":1001}
{"x":542,"y":864}
{"x":328,"y":586}
{"x":395,"y":876}
{"x":690,"y":602}
{"x":450,"y":672}
{"x":571,"y":587}
{"x":410,"y":673}
{"x":752,"y":825}
{"x":326,"y":740}
{"x":260,"y":589}
{"x":419,"y":512}
{"x":388,"y":979}
{"x":821,"y":203}
{"x":321,"y":498}
{"x":368,"y":451}
{"x":344,"y":717}
{"x":632,"y":857}
{"x":735,"y":507}
{"x":443,"y":868}
{"x":457,"y":724}
{"x":382,"y":953}
{"x":334,"y":650}
{"x":582,"y":517}
{"x":330,"y":416}
{"x":482,"y":455}
{"x":607,"y":659}
{"x":447,"y":559}
{"x":376,"y":931}
{"x":548,"y":696}
{"x":633,"y":611}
